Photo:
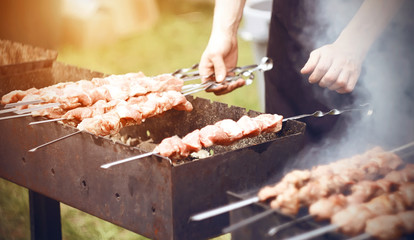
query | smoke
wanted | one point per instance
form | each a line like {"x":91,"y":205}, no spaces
{"x":386,"y":82}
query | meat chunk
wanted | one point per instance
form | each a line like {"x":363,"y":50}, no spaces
{"x":233,"y":131}
{"x":352,"y":219}
{"x":172,"y":147}
{"x":269,"y":122}
{"x":325,"y":208}
{"x":212,"y":134}
{"x":249,"y":126}
{"x":385,"y":227}
{"x":192,"y":141}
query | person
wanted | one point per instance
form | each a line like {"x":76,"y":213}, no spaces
{"x":305,"y":78}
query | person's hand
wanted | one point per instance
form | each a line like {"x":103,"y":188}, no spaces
{"x":335,"y":66}
{"x":219,"y":58}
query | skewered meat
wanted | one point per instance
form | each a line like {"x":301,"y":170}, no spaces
{"x":86,"y":93}
{"x":324,"y":208}
{"x":178,"y":149}
{"x":133,"y":112}
{"x":16,"y":95}
{"x":295,"y":178}
{"x":192,"y":141}
{"x":405,"y":175}
{"x":81,"y":113}
{"x":325,"y":180}
{"x":362,"y":191}
{"x":232,"y":130}
{"x":223,"y":132}
{"x":250,"y":126}
{"x":352,"y":220}
{"x":212,"y":134}
{"x":299,"y":178}
{"x":391,"y":226}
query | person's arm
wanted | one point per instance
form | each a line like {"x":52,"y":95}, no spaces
{"x":337,"y":66}
{"x":221,"y":52}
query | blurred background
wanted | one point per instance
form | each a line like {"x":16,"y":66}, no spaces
{"x":113,"y":37}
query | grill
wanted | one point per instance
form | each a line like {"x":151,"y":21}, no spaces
{"x":150,"y":196}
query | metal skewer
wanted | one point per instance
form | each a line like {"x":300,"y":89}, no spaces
{"x":227,"y":208}
{"x":22,"y":103}
{"x":53,"y":141}
{"x":272,"y":231}
{"x":331,"y":112}
{"x":27,"y":112}
{"x":108,"y":165}
{"x":192,"y":73}
{"x":245,"y":72}
{"x":21,"y":111}
{"x":7,"y":110}
{"x":361,"y":237}
{"x":40,"y":107}
{"x":315,"y":233}
{"x":16,"y":116}
{"x":248,"y":221}
{"x":46,"y":121}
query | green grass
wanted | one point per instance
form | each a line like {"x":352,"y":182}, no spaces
{"x":176,"y":41}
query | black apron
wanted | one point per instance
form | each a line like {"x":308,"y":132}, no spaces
{"x":293,"y":30}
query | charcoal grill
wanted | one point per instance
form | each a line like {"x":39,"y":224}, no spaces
{"x":150,"y":196}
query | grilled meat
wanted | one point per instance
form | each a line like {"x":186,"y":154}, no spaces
{"x":325,"y":180}
{"x":352,"y":220}
{"x":389,"y":227}
{"x":223,"y":132}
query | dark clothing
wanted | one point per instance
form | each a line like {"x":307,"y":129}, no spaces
{"x":294,"y":30}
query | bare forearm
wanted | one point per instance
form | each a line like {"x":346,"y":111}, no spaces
{"x":227,"y":16}
{"x":368,"y":23}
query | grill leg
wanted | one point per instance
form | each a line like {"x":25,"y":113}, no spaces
{"x":44,"y":217}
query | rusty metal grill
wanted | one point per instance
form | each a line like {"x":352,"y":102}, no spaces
{"x":149,"y":196}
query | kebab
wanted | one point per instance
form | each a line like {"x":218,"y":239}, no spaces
{"x":223,"y":132}
{"x":324,"y":208}
{"x":133,"y":112}
{"x":352,"y":220}
{"x":362,"y":191}
{"x":325,"y":180}
{"x":377,"y":159}
{"x":390,"y":226}
{"x":85,"y":93}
